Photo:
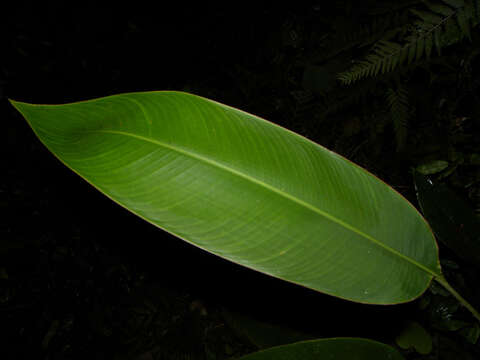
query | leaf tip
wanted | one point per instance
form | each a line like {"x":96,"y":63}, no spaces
{"x":13,"y":102}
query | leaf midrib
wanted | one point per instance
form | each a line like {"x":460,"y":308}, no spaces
{"x":275,"y":190}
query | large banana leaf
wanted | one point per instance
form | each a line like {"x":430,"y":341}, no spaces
{"x":246,"y":190}
{"x":332,"y":349}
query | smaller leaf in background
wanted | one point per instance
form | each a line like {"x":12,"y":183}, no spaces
{"x":451,"y":219}
{"x":471,"y":333}
{"x":261,"y":334}
{"x":432,"y":167}
{"x":474,"y":159}
{"x":415,"y":336}
{"x":332,"y":349}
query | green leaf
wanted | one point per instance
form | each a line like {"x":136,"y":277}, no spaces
{"x":439,"y":8}
{"x":334,"y":349}
{"x":463,"y":22}
{"x":411,"y":53}
{"x":455,"y":3}
{"x":432,"y":167}
{"x":398,"y":103}
{"x":454,"y":222}
{"x":428,"y":45}
{"x":427,"y":17}
{"x":437,"y":42}
{"x":415,"y":336}
{"x":471,"y":333}
{"x":247,"y":190}
{"x":261,"y":334}
{"x":420,"y":48}
{"x":404,"y":53}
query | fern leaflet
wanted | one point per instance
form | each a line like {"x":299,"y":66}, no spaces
{"x":398,"y":104}
{"x":434,"y":28}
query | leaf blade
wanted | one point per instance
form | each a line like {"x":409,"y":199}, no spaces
{"x":335,"y":348}
{"x":244,"y":189}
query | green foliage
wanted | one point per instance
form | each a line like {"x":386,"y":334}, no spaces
{"x":280,"y":204}
{"x":415,"y":336}
{"x":437,"y":24}
{"x":409,"y":45}
{"x":398,"y":103}
{"x":455,"y":224}
{"x":364,"y":34}
{"x":340,"y":98}
{"x":337,"y":349}
{"x":385,"y":57}
{"x":256,"y":194}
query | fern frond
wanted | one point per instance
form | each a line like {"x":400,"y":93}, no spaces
{"x":439,"y":8}
{"x":429,"y":18}
{"x":357,"y":36}
{"x":463,"y":19}
{"x":381,"y":60}
{"x":398,"y":104}
{"x":455,"y":3}
{"x":341,"y":98}
{"x":441,"y":23}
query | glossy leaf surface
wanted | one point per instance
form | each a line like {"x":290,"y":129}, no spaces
{"x":453,"y":221}
{"x":246,"y":190}
{"x":332,"y":349}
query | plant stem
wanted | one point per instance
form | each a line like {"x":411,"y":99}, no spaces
{"x":442,"y":281}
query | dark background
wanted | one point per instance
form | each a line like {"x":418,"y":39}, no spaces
{"x":80,"y":277}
